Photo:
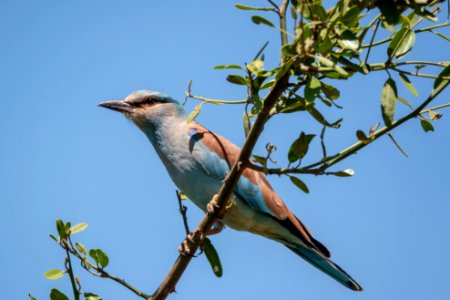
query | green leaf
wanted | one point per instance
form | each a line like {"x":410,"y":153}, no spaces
{"x":261,"y":51}
{"x":81,"y":248}
{"x":57,"y":295}
{"x":54,"y":274}
{"x":315,"y":11}
{"x":233,"y":66}
{"x":257,"y":105}
{"x":351,"y":17}
{"x":293,"y":105}
{"x":406,"y":44}
{"x":348,"y":40}
{"x":245,"y":7}
{"x":345,"y":173}
{"x":246,"y":123}
{"x":236,"y":79}
{"x":330,"y":91}
{"x":314,"y":83}
{"x":401,"y":43}
{"x":397,"y":145}
{"x":100,"y":257}
{"x":312,"y":89}
{"x":317,"y":115}
{"x":300,"y":184}
{"x":53,"y":238}
{"x":182,"y":196}
{"x":260,"y":20}
{"x":408,"y":84}
{"x":300,"y":147}
{"x":256,"y":66}
{"x":426,"y":126}
{"x":388,"y":101}
{"x":440,"y":83}
{"x":91,"y":296}
{"x":293,"y":12}
{"x":352,"y":66}
{"x":404,"y":101}
{"x":389,"y":11}
{"x":260,"y":159}
{"x":62,"y":228}
{"x":362,"y":137}
{"x":285,"y":67}
{"x":194,"y":113}
{"x":213,"y":257}
{"x":268,"y":84}
{"x":78,"y":228}
{"x":325,"y":46}
{"x":329,"y":63}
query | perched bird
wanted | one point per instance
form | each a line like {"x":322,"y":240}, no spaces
{"x":198,"y":161}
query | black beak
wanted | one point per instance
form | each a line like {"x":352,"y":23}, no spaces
{"x":117,"y":105}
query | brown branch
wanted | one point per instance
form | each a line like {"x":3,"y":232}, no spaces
{"x":220,"y":200}
{"x":226,"y":191}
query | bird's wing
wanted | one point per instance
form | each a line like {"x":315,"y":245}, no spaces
{"x":216,"y":155}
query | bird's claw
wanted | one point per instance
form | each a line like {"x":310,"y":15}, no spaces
{"x":185,"y":248}
{"x":212,"y":206}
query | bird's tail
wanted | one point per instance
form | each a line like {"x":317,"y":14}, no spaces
{"x":326,"y":265}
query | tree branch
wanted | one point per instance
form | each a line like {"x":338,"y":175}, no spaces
{"x":99,"y":272}
{"x":76,"y":292}
{"x":319,"y":168}
{"x":429,"y":28}
{"x":220,"y":200}
{"x":225,"y":192}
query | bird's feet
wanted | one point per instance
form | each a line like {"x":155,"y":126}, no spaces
{"x":212,"y":206}
{"x":185,"y":248}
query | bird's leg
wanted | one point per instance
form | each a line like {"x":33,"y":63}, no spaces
{"x":186,"y":245}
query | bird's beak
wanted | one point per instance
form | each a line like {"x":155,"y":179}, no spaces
{"x":117,"y":105}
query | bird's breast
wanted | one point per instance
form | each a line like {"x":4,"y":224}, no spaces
{"x":174,"y":147}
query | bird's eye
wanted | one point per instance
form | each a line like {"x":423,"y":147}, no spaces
{"x":150,"y":100}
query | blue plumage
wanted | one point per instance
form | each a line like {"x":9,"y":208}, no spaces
{"x":198,"y":160}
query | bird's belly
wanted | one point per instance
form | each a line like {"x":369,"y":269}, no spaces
{"x":199,"y":187}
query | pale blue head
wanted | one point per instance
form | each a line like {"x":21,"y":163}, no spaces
{"x":147,"y":109}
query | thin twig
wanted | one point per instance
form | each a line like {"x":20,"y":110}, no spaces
{"x":183,"y":210}
{"x":318,"y":168}
{"x":371,"y":41}
{"x":217,"y":101}
{"x":435,"y":108}
{"x":76,"y":292}
{"x":99,"y":272}
{"x":421,"y":62}
{"x":420,"y":74}
{"x":429,"y":28}
{"x":322,"y":142}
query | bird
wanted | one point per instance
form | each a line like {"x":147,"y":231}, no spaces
{"x":198,"y":161}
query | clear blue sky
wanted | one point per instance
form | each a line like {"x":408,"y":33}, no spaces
{"x":61,"y":156}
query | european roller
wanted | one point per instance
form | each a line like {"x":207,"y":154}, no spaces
{"x":198,"y":160}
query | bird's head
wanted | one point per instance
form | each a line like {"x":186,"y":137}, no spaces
{"x":146,"y":109}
